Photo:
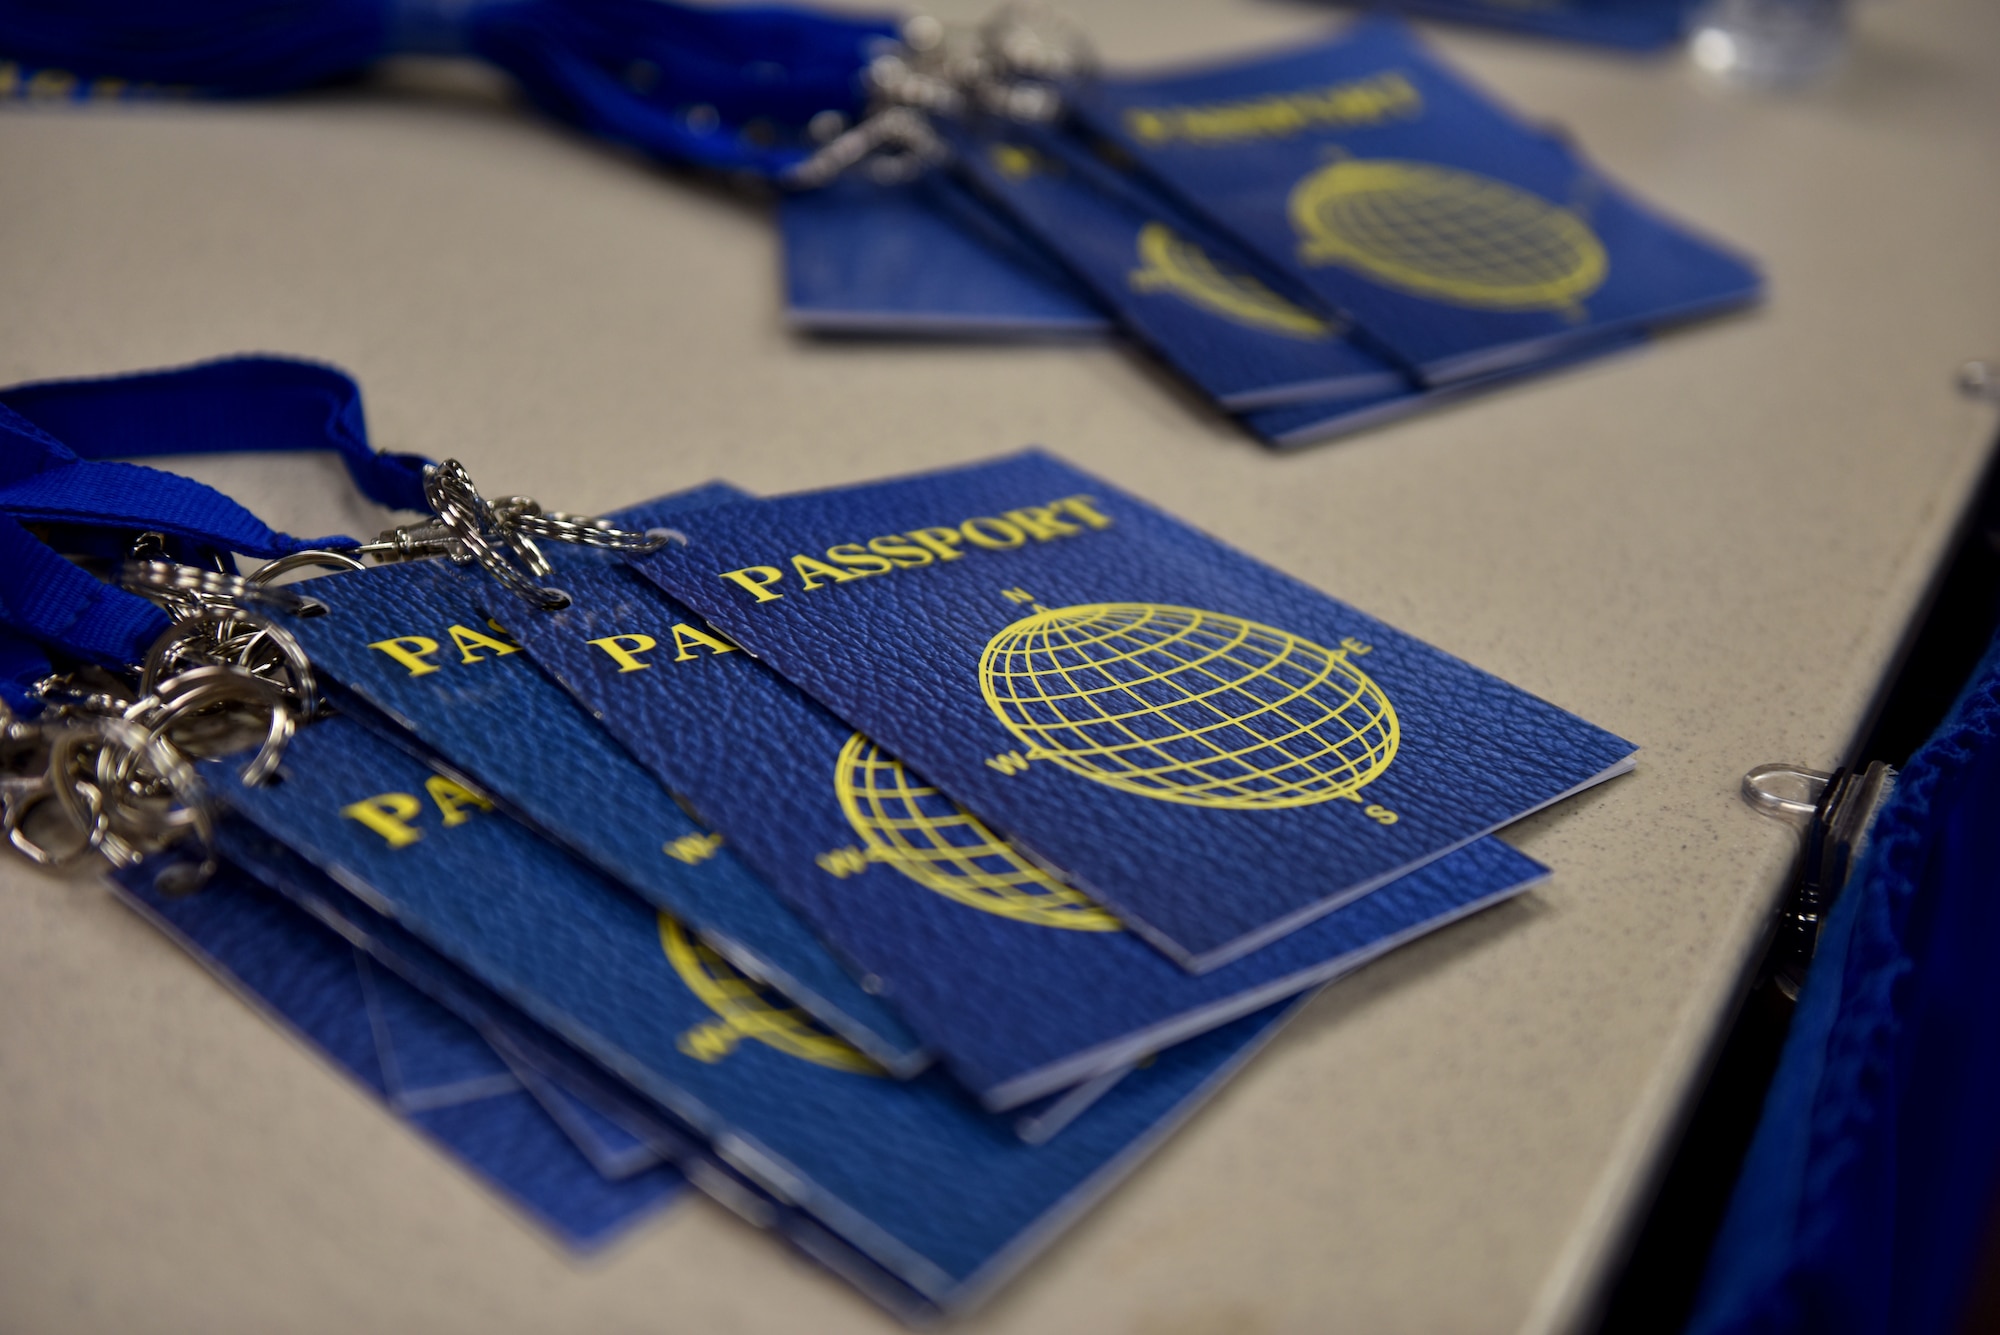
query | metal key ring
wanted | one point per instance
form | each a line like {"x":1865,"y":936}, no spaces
{"x":461,"y":509}
{"x":509,"y":514}
{"x":586,"y":531}
{"x":304,"y":688}
{"x":197,"y":688}
{"x":313,"y":558}
{"x":188,"y":791}
{"x":14,"y":813}
{"x":321,"y":558}
{"x":524,"y":515}
{"x":81,"y":801}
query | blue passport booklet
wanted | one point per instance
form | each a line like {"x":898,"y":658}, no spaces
{"x":1208,"y":748}
{"x":911,"y":1174}
{"x":411,"y":641}
{"x":1183,"y":291}
{"x":923,"y":258}
{"x":1461,"y":239}
{"x":312,"y":982}
{"x":1020,"y":983}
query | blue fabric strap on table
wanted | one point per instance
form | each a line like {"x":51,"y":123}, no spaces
{"x":1870,"y":1182}
{"x":57,"y":439}
{"x":242,"y":404}
{"x":722,"y":88}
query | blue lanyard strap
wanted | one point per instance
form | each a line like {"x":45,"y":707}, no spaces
{"x":56,"y":473}
{"x":48,"y":603}
{"x":725,"y":88}
{"x":55,"y":433}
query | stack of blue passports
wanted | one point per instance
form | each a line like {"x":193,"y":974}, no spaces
{"x":911,"y":1175}
{"x":1023,"y":985}
{"x":756,"y":758}
{"x":1212,"y":751}
{"x":410,"y":1053}
{"x":481,"y":709}
{"x":1292,"y":376}
{"x":1461,"y":239}
{"x":480,"y":705}
{"x":640,"y":891}
{"x":920,"y":258}
{"x":626,"y":894}
{"x":1317,"y":240}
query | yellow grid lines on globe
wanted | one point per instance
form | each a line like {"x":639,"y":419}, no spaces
{"x":943,"y":847}
{"x":753,"y":1011}
{"x":1188,"y":706}
{"x":1451,"y":235}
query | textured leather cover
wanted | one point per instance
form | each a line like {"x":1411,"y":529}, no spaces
{"x":528,"y":1044}
{"x":920,"y":258}
{"x":1180,"y":289}
{"x":1325,"y":159}
{"x":899,"y":655}
{"x":308,"y":979}
{"x":487,"y":712}
{"x":1016,"y":1005}
{"x":519,"y":1040}
{"x":911,"y":1173}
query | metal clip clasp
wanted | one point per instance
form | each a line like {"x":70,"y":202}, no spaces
{"x":1834,"y":813}
{"x":1015,"y":66}
{"x":499,"y":535}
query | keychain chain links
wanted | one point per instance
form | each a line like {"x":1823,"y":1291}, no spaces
{"x":105,"y":768}
{"x":465,"y":528}
{"x":1013,"y":66}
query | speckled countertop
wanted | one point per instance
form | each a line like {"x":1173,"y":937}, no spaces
{"x":1710,"y":547}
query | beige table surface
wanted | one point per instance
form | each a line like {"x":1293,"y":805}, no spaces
{"x":1711,"y":547}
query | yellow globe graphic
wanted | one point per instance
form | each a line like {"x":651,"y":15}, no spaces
{"x":746,"y":1009}
{"x":1172,"y":263}
{"x":1451,"y":235}
{"x":1188,"y":706}
{"x":937,"y":843}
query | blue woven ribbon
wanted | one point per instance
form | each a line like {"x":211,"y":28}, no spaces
{"x":729,"y":88}
{"x":64,"y":491}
